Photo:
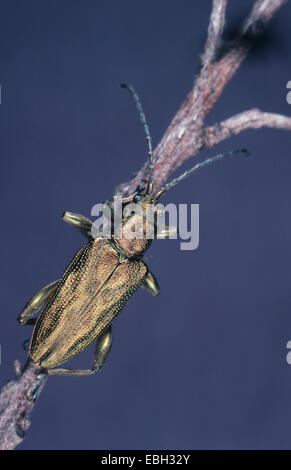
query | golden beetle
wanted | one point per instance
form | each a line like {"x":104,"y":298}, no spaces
{"x":80,"y":307}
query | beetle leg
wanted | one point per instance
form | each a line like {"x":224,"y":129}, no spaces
{"x":103,"y":346}
{"x":29,"y":322}
{"x":151,"y":284}
{"x":34,"y":304}
{"x":167,"y":232}
{"x":79,"y":221}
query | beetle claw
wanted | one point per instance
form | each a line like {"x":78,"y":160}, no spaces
{"x":34,"y":391}
{"x":25,"y":344}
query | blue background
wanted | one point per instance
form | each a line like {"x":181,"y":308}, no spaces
{"x":203,"y":365}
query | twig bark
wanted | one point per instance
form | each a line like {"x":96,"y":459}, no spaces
{"x":252,"y":119}
{"x":16,"y":404}
{"x":185,"y":137}
{"x":215,"y":31}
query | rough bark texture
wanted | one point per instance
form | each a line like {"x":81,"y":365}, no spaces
{"x":185,"y":137}
{"x":16,"y":404}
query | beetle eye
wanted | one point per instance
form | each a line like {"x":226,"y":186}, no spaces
{"x":137,"y":198}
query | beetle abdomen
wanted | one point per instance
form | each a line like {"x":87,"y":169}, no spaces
{"x":92,"y":291}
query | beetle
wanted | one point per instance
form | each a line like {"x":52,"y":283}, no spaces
{"x":79,"y":308}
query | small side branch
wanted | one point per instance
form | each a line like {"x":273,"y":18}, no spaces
{"x":252,"y":119}
{"x":262,"y":12}
{"x":215,"y":30}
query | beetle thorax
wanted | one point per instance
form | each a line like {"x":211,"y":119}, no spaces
{"x":137,"y":231}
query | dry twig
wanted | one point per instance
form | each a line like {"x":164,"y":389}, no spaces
{"x":185,"y":137}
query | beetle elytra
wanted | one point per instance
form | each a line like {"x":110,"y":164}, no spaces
{"x":79,"y":308}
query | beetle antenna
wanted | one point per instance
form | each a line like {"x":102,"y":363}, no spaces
{"x":206,"y":162}
{"x":147,"y":133}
